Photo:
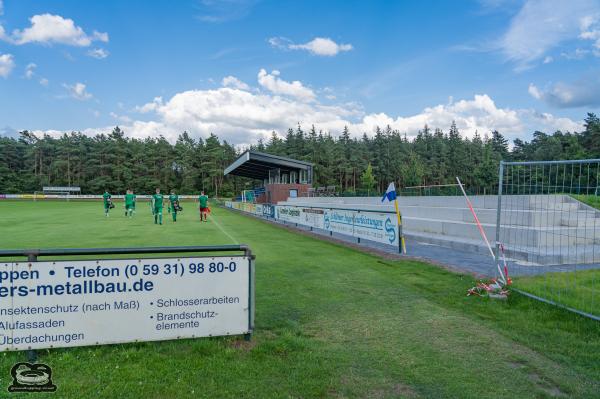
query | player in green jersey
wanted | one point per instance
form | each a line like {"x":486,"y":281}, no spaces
{"x":129,"y":203}
{"x":106,"y":197}
{"x":203,"y":200}
{"x":157,"y":206}
{"x":174,"y":205}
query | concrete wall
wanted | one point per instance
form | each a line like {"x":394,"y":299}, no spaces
{"x":545,"y":229}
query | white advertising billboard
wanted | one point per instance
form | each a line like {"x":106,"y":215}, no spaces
{"x":313,"y":217}
{"x":290,"y":214}
{"x":339,"y":221}
{"x":76,"y":303}
{"x":380,"y":227}
{"x":369,"y":225}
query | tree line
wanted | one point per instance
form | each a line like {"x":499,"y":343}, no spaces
{"x":354,"y":165}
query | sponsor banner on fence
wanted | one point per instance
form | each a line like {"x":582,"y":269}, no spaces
{"x":380,"y":227}
{"x":291,"y":214}
{"x":268,"y":211}
{"x":313,"y":217}
{"x":339,"y":221}
{"x":373,"y":226}
{"x":76,"y":303}
{"x":62,"y":188}
{"x":249,"y":207}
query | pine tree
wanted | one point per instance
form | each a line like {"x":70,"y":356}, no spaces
{"x":367,"y":180}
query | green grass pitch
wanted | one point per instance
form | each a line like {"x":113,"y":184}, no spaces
{"x":331,"y":321}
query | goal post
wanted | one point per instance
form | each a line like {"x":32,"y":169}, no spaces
{"x":62,"y":191}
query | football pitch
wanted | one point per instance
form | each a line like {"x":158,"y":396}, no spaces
{"x":331,"y":321}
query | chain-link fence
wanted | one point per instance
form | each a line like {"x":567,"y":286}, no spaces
{"x":548,"y":224}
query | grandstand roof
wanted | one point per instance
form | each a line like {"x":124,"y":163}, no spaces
{"x":256,"y":165}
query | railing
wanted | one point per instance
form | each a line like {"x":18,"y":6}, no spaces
{"x":33,"y":254}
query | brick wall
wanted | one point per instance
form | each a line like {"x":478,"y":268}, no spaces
{"x":281,"y":192}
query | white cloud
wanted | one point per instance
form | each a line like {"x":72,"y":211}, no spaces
{"x":7,"y":63}
{"x":121,"y":118}
{"x":548,"y":59}
{"x":100,"y":36}
{"x":322,"y":46}
{"x":30,"y":73}
{"x":98,"y":53}
{"x":541,"y":25}
{"x":48,"y":29}
{"x":30,"y":70}
{"x":590,"y":29}
{"x":243,"y":116}
{"x":477,"y":115}
{"x":276,"y":85}
{"x":233,"y":82}
{"x":534,"y":91}
{"x":547,"y":122}
{"x":578,"y":54}
{"x":149,"y":107}
{"x":581,"y":93}
{"x":78,"y":91}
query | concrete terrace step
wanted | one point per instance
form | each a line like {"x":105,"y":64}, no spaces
{"x":546,"y":229}
{"x":533,"y":256}
{"x":541,"y":218}
{"x":537,"y":236}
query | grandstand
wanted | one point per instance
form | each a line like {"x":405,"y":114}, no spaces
{"x":280,"y":178}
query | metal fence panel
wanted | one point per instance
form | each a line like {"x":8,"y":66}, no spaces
{"x":549,"y":224}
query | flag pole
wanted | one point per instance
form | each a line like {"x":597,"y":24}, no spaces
{"x":400,"y":232}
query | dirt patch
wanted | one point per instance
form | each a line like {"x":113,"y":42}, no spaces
{"x":395,"y":391}
{"x":547,"y":386}
{"x":543,"y":384}
{"x":243,"y":345}
{"x":404,"y":391}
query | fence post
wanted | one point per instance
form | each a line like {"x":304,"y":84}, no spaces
{"x":31,"y":353}
{"x":499,"y":210}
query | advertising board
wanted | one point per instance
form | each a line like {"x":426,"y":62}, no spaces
{"x":93,"y":302}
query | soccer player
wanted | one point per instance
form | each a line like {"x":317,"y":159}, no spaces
{"x":157,"y":206}
{"x":203,"y":200}
{"x":129,"y":203}
{"x":173,"y":205}
{"x":107,"y":202}
{"x":134,"y":201}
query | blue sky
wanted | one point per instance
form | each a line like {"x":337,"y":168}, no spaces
{"x":243,"y":68}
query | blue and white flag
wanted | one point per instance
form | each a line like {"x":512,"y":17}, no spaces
{"x":390,"y":193}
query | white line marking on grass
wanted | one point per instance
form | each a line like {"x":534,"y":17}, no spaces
{"x":222,"y":229}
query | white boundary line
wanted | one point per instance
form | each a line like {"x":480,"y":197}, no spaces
{"x":222,"y":229}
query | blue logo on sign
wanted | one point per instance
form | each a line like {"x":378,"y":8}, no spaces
{"x":326,"y":220}
{"x":268,"y":211}
{"x":390,"y":230}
